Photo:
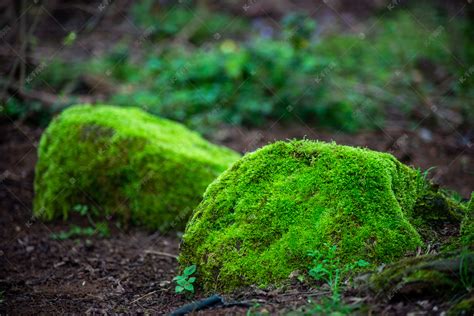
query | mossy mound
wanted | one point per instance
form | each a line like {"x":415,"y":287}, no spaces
{"x":260,"y":218}
{"x":143,"y":169}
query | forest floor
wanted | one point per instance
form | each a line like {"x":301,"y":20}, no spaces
{"x":122,"y":274}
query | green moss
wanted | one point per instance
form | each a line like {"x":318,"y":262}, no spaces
{"x":464,"y":307}
{"x":259,"y":219}
{"x":441,"y":275}
{"x":467,"y":226}
{"x":143,"y":169}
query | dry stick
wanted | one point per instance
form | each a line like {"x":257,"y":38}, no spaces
{"x":143,"y":296}
{"x":159,"y":253}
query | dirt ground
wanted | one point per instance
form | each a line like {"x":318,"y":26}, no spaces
{"x":122,"y":274}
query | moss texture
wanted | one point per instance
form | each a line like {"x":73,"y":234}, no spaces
{"x":259,"y":219}
{"x":467,"y":226}
{"x":145,"y":170}
{"x":463,"y":308}
{"x":435,"y":276}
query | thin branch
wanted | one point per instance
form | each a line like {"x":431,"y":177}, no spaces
{"x":143,"y":296}
{"x":159,"y":253}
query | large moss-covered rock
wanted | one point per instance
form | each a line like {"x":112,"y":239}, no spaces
{"x":124,"y":162}
{"x":259,"y":219}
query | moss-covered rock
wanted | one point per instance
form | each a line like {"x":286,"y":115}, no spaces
{"x":124,"y":162}
{"x":259,"y":219}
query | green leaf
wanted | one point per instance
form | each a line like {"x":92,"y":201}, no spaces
{"x":189,"y":270}
{"x":362,"y":263}
{"x":179,"y":289}
{"x":182,"y":282}
{"x":191,"y":280}
{"x":70,"y":39}
{"x":81,"y":209}
{"x":178,"y":277}
{"x":189,"y":287}
{"x":103,"y":229}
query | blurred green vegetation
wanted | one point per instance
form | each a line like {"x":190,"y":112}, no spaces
{"x":169,"y":22}
{"x":343,"y":80}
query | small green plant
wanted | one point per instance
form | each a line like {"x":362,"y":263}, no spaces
{"x":73,"y":232}
{"x":426,"y":173}
{"x":185,"y":281}
{"x":253,"y":310}
{"x":70,"y":39}
{"x":325,"y":267}
{"x":96,"y":228}
{"x":328,"y":306}
{"x":102,"y":228}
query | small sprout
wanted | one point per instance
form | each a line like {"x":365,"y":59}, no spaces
{"x":185,"y":281}
{"x":74,"y":231}
{"x":70,"y":39}
{"x":81,"y":209}
{"x":100,"y":228}
{"x":326,"y":266}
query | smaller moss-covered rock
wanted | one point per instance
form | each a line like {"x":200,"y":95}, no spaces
{"x":145,"y":170}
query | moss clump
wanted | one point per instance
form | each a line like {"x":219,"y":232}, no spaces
{"x":259,"y":219}
{"x":125,"y":162}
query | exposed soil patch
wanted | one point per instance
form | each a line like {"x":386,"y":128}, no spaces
{"x":119,"y":274}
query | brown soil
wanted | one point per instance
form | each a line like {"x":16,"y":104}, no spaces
{"x":118,"y":274}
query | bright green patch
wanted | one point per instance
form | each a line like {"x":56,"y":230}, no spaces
{"x":125,"y":163}
{"x":262,"y":216}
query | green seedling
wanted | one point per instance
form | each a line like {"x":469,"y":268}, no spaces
{"x":185,"y":281}
{"x":326,"y":267}
{"x":100,"y":228}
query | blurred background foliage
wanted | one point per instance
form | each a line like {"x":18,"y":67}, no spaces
{"x":208,"y":68}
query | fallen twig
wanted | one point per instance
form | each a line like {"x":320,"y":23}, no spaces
{"x":143,"y":296}
{"x":159,"y":253}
